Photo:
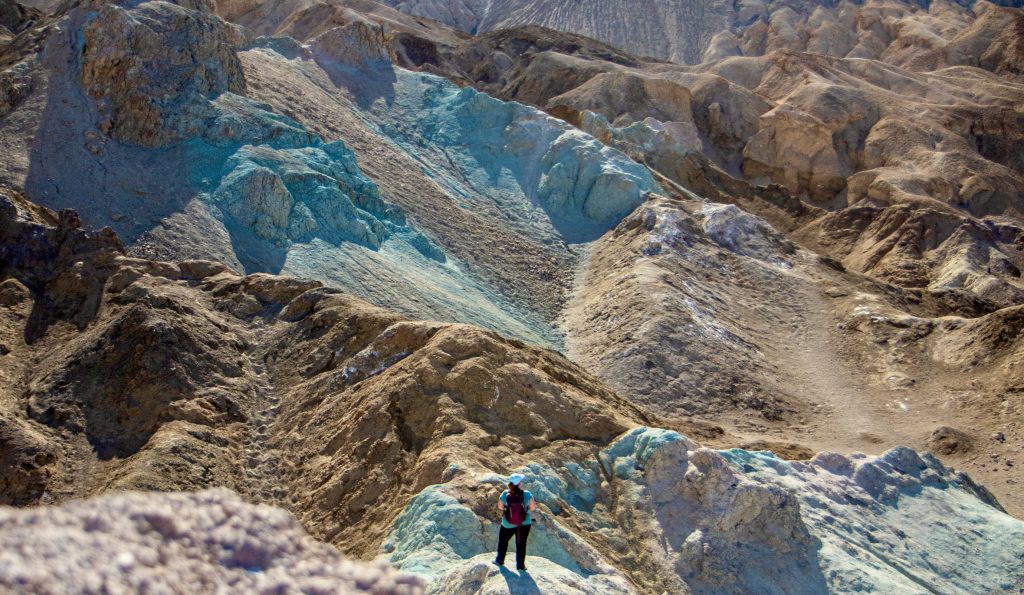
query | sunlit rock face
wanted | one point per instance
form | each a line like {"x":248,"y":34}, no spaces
{"x":655,"y":511}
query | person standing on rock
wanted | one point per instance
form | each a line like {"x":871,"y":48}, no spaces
{"x":516,"y":506}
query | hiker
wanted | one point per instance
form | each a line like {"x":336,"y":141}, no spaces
{"x":516,"y":506}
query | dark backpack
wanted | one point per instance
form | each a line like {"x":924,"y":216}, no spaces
{"x":515,"y":507}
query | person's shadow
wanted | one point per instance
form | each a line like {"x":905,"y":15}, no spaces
{"x":520,"y":582}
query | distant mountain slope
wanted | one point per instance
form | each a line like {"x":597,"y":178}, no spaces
{"x":674,"y":29}
{"x":690,"y":31}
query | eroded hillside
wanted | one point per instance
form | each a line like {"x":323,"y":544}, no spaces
{"x":884,"y":238}
{"x":690,"y":31}
{"x":387,"y":438}
{"x":450,"y":257}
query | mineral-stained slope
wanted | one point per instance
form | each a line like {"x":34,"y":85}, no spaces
{"x":395,"y":185}
{"x":911,"y":173}
{"x":909,"y":176}
{"x":672,"y":516}
{"x":389,"y":438}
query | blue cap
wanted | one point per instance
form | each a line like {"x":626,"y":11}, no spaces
{"x":516,"y":478}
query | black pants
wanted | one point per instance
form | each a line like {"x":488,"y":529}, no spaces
{"x":522,"y":532}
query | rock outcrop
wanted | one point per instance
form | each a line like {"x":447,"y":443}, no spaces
{"x":176,"y":543}
{"x":670,"y":515}
{"x":153,"y":71}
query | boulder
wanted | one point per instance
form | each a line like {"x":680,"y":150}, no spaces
{"x":153,"y":69}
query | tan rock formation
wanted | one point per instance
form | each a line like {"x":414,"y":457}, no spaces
{"x":186,"y":375}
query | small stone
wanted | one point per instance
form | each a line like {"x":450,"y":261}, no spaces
{"x":652,"y":248}
{"x":4,"y":349}
{"x":947,"y":441}
{"x":12,"y":292}
{"x":998,"y":437}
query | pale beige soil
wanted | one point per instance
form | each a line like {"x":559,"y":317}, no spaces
{"x":795,"y":359}
{"x":859,"y":396}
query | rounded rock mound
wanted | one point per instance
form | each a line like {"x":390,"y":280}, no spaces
{"x":176,"y":543}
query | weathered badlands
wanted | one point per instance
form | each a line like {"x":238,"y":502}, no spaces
{"x":287,"y":288}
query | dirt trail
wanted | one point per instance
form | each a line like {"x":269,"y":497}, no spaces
{"x":856,"y":391}
{"x":261,"y":482}
{"x":846,"y":414}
